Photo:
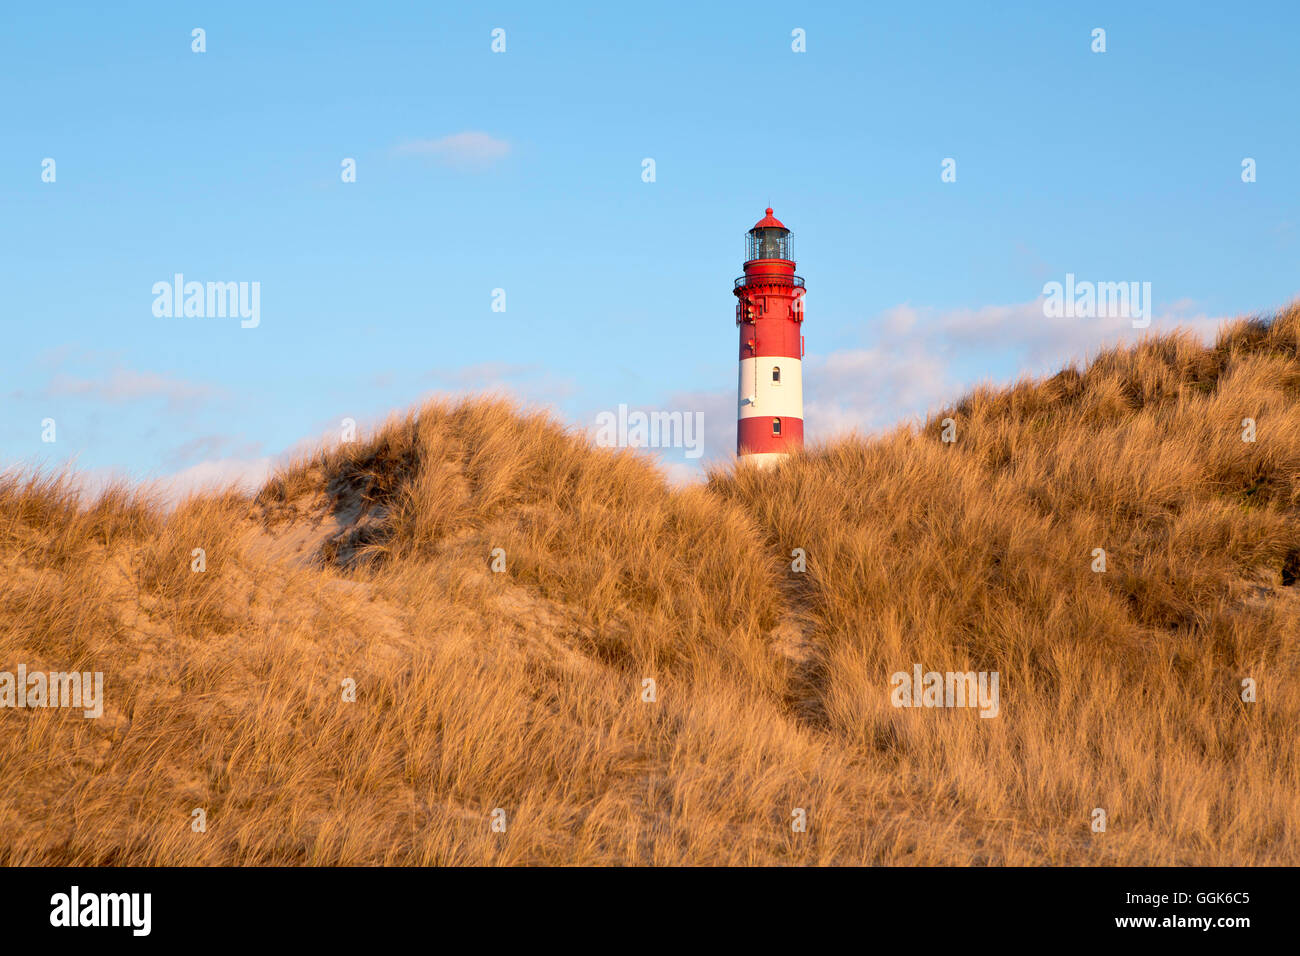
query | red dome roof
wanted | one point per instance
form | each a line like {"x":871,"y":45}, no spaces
{"x":769,"y":221}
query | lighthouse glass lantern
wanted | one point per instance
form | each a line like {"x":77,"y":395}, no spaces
{"x":770,"y":242}
{"x":769,"y":315}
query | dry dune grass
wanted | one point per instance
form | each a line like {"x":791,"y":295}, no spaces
{"x":522,"y":691}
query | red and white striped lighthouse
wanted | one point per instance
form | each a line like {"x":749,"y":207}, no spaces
{"x":770,"y":316}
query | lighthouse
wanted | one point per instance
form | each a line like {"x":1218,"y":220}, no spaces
{"x":769,"y":314}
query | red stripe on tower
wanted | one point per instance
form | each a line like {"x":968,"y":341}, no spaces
{"x":769,"y":314}
{"x":754,"y":436}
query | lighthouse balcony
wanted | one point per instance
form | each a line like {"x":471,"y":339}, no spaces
{"x":770,"y":279}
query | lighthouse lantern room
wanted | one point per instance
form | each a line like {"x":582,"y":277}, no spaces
{"x":769,"y":314}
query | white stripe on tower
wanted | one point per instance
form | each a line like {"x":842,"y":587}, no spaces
{"x":772,"y":386}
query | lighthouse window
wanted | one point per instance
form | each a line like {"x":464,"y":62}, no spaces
{"x":776,"y":374}
{"x":776,"y":426}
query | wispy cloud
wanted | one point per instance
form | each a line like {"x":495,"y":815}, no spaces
{"x":1044,"y":342}
{"x":873,"y":388}
{"x":245,"y":473}
{"x":527,"y":382}
{"x":471,"y":150}
{"x":128,"y":385}
{"x":72,"y":371}
{"x":923,"y":358}
{"x":718,"y":407}
{"x":212,"y":447}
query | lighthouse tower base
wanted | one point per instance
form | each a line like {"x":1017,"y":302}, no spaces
{"x":766,"y":460}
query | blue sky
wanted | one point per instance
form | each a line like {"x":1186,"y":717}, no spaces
{"x":522,"y":171}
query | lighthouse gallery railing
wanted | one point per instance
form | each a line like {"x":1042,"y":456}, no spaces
{"x":796,"y":281}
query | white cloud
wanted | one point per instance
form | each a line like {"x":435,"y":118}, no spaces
{"x":718,"y":406}
{"x":680,"y":473}
{"x":529,"y":384}
{"x":1047,"y":343}
{"x":870,"y":389}
{"x":922,"y":359}
{"x":213,"y":447}
{"x":247,"y":474}
{"x":127,"y":385}
{"x":468,"y":150}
